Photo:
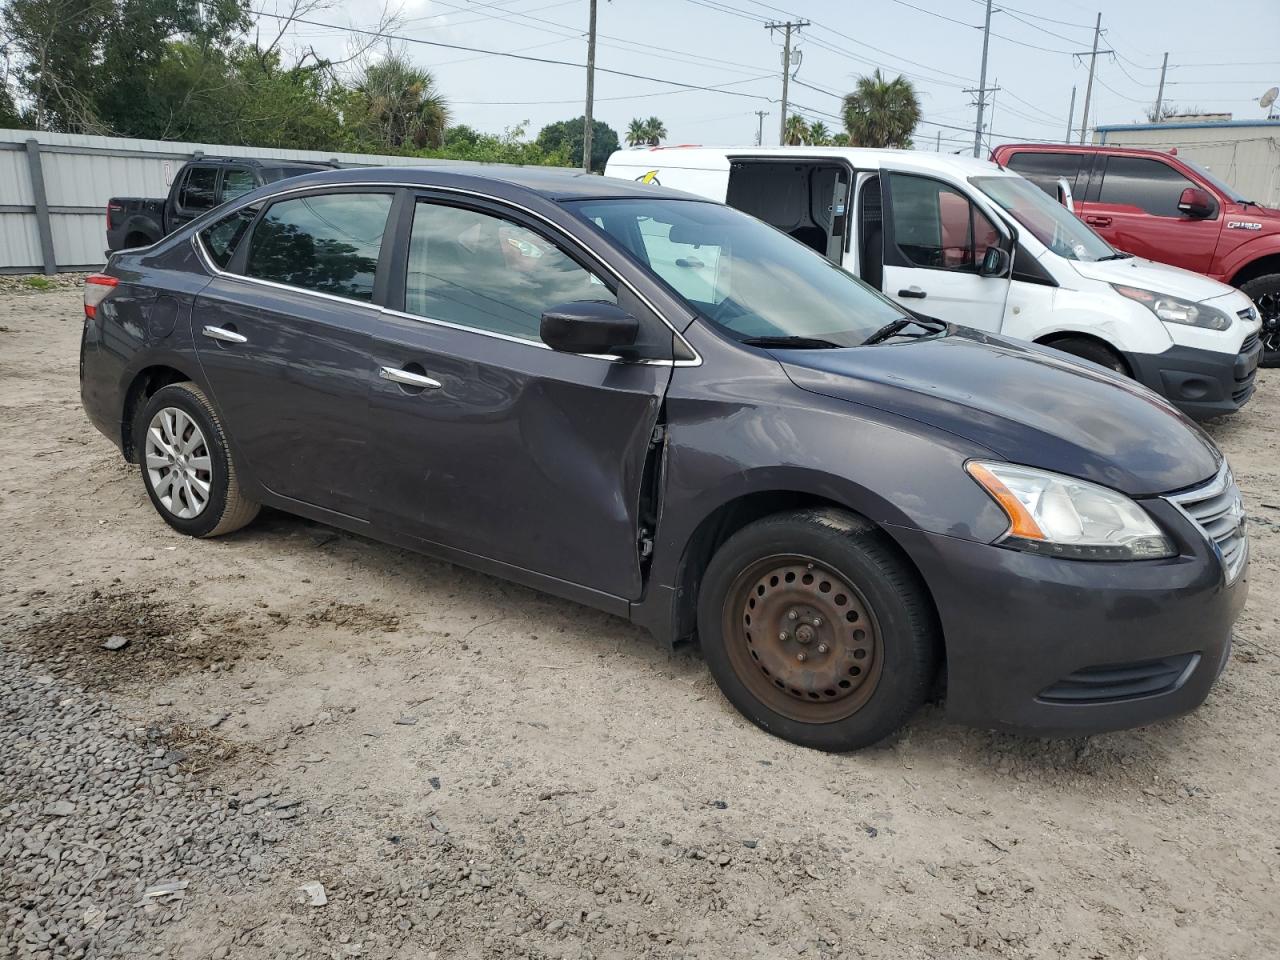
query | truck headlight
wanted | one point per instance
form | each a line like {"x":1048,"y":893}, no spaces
{"x":1173,"y":309}
{"x":1061,"y":516}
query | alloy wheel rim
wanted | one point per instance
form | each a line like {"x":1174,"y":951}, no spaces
{"x":179,"y":467}
{"x":1269,"y":308}
{"x":803,"y":639}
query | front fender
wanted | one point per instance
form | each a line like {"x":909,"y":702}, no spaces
{"x":1249,"y":253}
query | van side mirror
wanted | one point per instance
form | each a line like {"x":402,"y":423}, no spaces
{"x":996,"y":262}
{"x":1196,"y":203}
{"x":1064,"y":195}
{"x":588,"y":326}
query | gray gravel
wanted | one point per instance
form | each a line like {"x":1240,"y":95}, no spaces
{"x":103,"y":834}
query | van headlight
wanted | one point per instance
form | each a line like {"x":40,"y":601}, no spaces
{"x":1172,"y":309}
{"x":1064,"y":517}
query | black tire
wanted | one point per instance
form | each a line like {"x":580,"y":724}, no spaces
{"x":1264,"y":291}
{"x":854,"y":692}
{"x":225,"y":508}
{"x":1092,"y":350}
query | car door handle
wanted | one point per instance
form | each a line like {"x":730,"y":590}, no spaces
{"x":408,"y":378}
{"x":1097,"y":221}
{"x":913,"y":293}
{"x":229,"y":336}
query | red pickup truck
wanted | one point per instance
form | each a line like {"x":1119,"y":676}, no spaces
{"x":1167,"y":208}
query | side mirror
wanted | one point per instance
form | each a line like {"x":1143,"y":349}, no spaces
{"x":1196,"y":203}
{"x":996,"y":262}
{"x":588,"y":326}
{"x":1064,"y":195}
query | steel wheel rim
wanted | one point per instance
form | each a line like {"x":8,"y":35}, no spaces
{"x":179,"y":467}
{"x":1269,"y":309}
{"x":802,"y":639}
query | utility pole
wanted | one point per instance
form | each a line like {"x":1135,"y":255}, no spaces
{"x":1088,"y":87}
{"x":1071,"y":115}
{"x":1155,"y":116}
{"x":982,"y":84}
{"x":760,"y":115}
{"x":786,"y":29}
{"x":591,"y":90}
{"x":937,"y":147}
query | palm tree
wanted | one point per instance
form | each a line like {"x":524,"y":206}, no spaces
{"x":840,"y":140}
{"x":819,"y":135}
{"x":637,"y":133}
{"x":796,"y":132}
{"x":881,"y":113}
{"x":401,"y":105}
{"x":656,"y":129}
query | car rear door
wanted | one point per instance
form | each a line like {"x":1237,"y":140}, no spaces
{"x":934,"y":241}
{"x":487,"y":442}
{"x":1135,"y":209}
{"x":195,"y":194}
{"x":283,"y":336}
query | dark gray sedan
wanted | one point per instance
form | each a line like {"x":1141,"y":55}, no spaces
{"x":663,"y":408}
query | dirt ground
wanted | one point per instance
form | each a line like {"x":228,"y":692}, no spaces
{"x":488,"y":772}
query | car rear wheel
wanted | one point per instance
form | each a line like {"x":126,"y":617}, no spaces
{"x":186,"y":466}
{"x":1265,"y":293}
{"x":817,"y":630}
{"x":1092,"y":350}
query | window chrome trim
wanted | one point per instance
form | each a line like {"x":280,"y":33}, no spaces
{"x":205,"y":259}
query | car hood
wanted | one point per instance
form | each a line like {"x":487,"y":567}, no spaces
{"x":1027,"y":404}
{"x":1149,"y":275}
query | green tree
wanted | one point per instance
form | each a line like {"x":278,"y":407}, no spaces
{"x":398,"y":105}
{"x":796,"y":131}
{"x":881,"y":113}
{"x":464,"y":143}
{"x":655,"y":130}
{"x":637,"y":132}
{"x":819,"y":135}
{"x":10,"y":119}
{"x":568,"y":133}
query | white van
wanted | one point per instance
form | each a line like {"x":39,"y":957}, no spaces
{"x":967,"y":241}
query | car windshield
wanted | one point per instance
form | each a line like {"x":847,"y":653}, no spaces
{"x":1231,"y":193}
{"x":1045,"y":219}
{"x":747,"y":278}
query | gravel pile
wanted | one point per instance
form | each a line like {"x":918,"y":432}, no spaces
{"x":103,"y":833}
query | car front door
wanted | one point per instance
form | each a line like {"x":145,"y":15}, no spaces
{"x":488,"y":442}
{"x":934,"y":242}
{"x":1135,"y":209}
{"x":283,"y":336}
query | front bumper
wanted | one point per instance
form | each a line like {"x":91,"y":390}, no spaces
{"x":1200,"y":383}
{"x":1057,"y":647}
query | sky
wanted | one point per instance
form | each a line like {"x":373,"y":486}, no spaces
{"x":1219,"y":61}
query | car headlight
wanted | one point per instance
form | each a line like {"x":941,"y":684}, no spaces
{"x":1065,"y":517}
{"x":1172,"y":309}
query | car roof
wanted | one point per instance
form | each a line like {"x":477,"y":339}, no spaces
{"x":552,"y":183}
{"x":698,"y":157}
{"x":266,"y":162}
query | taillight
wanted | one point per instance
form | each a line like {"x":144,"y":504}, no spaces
{"x":96,"y":288}
{"x":112,"y":208}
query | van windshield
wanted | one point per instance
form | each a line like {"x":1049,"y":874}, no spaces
{"x":747,"y":278}
{"x":1047,"y":220}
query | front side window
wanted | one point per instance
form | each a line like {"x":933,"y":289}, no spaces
{"x":936,"y":226}
{"x":480,"y":271}
{"x":742,"y":275}
{"x":328,"y":243}
{"x":199,"y":189}
{"x":1046,"y":169}
{"x":1147,"y":184}
{"x":221,"y":239}
{"x":1047,"y":220}
{"x":236,"y":182}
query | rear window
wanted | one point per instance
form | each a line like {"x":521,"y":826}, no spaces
{"x":1045,"y":169}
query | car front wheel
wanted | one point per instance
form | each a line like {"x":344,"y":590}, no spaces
{"x":817,"y":630}
{"x":186,"y":465}
{"x":1265,"y":293}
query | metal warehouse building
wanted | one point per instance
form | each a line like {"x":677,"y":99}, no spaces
{"x":1244,"y":153}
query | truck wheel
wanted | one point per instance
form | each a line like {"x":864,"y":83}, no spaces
{"x":1265,"y":292}
{"x":816,"y":630}
{"x":186,"y":466}
{"x":1092,"y":350}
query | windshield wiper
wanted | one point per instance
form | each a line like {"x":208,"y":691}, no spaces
{"x":791,"y":343}
{"x":1116,"y":256}
{"x":895,"y":328}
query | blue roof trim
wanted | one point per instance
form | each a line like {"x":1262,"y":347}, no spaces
{"x":1190,"y":125}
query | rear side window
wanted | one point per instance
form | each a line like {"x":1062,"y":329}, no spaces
{"x":1148,"y":184}
{"x":327,"y":243}
{"x":221,"y":239}
{"x":199,"y":189}
{"x":1045,"y":169}
{"x":236,"y":182}
{"x":936,"y":226}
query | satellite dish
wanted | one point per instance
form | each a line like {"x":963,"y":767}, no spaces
{"x":1268,"y":98}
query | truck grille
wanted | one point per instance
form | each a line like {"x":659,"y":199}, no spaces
{"x":1217,"y":510}
{"x":1121,"y":681}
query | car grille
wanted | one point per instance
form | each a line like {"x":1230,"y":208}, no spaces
{"x":1121,"y":681}
{"x":1250,"y":342}
{"x":1217,"y":510}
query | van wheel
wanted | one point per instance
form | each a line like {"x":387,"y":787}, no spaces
{"x":816,"y":630}
{"x":186,"y":465}
{"x":1265,"y":293}
{"x":1092,"y":350}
